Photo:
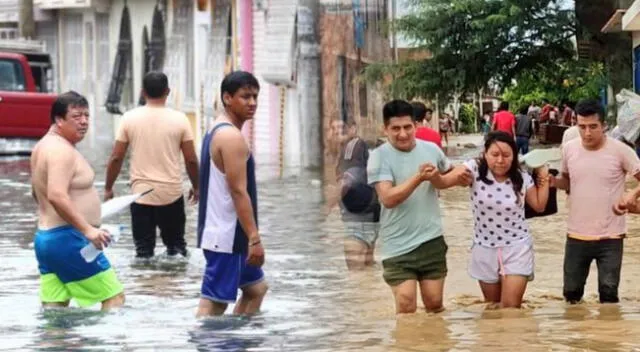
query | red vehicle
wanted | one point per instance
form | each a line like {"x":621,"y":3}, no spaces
{"x":25,"y":89}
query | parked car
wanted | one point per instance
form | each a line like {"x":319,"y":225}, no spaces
{"x":25,"y":89}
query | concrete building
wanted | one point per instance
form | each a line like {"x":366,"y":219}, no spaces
{"x":46,"y":29}
{"x":352,"y":36}
{"x":106,"y":47}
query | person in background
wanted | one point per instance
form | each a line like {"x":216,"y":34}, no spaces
{"x":422,"y":116}
{"x":359,"y":205}
{"x":524,"y":130}
{"x":534,"y":114}
{"x":567,"y":114}
{"x":546,"y":109}
{"x":504,"y":120}
{"x":486,"y":123}
{"x":158,"y":137}
{"x":445,"y":127}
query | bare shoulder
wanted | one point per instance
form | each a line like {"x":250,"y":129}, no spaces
{"x":229,"y":138}
{"x":51,"y":148}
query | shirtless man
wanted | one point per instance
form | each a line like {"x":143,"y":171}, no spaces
{"x":69,"y":214}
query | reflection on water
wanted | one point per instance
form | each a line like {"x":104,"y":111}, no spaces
{"x":314,"y":304}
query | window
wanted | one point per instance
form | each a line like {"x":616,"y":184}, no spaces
{"x":11,"y":76}
{"x":343,"y":108}
{"x":362,"y":97}
{"x":42,"y":77}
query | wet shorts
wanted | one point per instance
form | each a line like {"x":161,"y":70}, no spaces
{"x":427,"y":262}
{"x":366,"y":232}
{"x":225,"y":273}
{"x":487,"y":264}
{"x":64,"y":274}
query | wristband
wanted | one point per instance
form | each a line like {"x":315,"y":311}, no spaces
{"x":254,"y":243}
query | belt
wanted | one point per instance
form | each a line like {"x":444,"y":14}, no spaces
{"x":595,"y":238}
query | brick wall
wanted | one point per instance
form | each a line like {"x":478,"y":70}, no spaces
{"x":344,"y":95}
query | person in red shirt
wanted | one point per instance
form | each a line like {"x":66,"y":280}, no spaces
{"x":504,"y":120}
{"x":422,"y":117}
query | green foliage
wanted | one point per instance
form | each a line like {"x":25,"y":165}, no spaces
{"x":565,"y":80}
{"x":468,"y":114}
{"x":474,"y":42}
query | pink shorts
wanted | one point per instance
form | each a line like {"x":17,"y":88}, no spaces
{"x":489,"y":264}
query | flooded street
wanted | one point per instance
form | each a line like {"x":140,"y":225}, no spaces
{"x":314,"y":303}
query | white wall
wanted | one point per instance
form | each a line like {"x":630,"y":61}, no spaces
{"x":141,"y":13}
{"x":264,"y":131}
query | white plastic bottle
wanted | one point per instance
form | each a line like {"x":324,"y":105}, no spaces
{"x":90,"y":252}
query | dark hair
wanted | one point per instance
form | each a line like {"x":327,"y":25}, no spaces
{"x":503,"y":106}
{"x":524,"y":110}
{"x":396,"y":108}
{"x":514,"y":172}
{"x":155,"y":84}
{"x":66,"y":100}
{"x":419,"y":111}
{"x":350,"y":123}
{"x":590,"y":107}
{"x":236,"y":80}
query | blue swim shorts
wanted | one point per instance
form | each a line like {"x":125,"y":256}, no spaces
{"x":225,"y":273}
{"x":64,"y":274}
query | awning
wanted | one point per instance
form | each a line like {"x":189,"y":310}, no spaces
{"x":615,"y":22}
{"x":280,"y":42}
{"x":98,"y":5}
{"x":10,"y":9}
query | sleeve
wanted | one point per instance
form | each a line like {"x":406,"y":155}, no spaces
{"x":123,"y":130}
{"x":444,"y":165}
{"x":187,"y":134}
{"x":630,"y":161}
{"x":378,"y":168}
{"x":564,"y":169}
{"x":527,"y":181}
{"x":472,"y":165}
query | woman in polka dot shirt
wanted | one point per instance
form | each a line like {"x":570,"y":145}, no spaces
{"x":502,"y":254}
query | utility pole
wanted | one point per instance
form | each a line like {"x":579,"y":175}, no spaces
{"x":26,"y":23}
{"x":310,"y":84}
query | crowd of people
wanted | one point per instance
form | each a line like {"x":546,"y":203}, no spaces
{"x":406,"y":174}
{"x":391,"y":193}
{"x":223,"y":182}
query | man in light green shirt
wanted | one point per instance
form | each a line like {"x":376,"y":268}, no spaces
{"x":406,"y":173}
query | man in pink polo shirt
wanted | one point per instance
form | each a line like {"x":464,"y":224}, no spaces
{"x":594,"y":168}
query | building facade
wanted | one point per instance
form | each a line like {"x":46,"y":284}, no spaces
{"x":352,"y":36}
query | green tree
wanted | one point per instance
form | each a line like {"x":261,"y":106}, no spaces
{"x":564,"y":80}
{"x":475,"y":42}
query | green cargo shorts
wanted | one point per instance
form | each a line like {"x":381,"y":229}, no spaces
{"x":427,"y":262}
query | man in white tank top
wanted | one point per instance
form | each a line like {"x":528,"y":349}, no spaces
{"x":227,"y":218}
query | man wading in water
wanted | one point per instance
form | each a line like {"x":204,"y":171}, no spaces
{"x":228,"y":214}
{"x":69,"y":214}
{"x":406,"y":173}
{"x":594,"y":168}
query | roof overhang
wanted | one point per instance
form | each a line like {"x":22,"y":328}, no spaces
{"x":614,"y":24}
{"x":631,"y":19}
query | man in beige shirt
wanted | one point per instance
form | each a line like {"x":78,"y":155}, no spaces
{"x":157,"y":135}
{"x":69,"y":214}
